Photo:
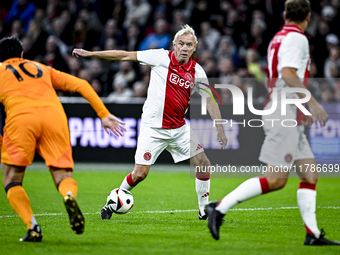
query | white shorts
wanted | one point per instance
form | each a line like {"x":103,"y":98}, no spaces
{"x":152,"y":141}
{"x":283,"y":145}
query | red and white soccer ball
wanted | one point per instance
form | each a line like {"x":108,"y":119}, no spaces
{"x":120,"y":200}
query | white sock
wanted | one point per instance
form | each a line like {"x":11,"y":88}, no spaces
{"x":248,"y":189}
{"x":307,"y":204}
{"x":202,"y":190}
{"x":126,"y":185}
{"x":33,"y":222}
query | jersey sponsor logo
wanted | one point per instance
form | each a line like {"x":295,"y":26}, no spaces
{"x":176,"y":79}
{"x":147,"y":156}
{"x":199,"y":147}
{"x":288,"y":158}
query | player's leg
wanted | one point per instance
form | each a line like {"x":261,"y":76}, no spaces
{"x":253,"y":187}
{"x":138,"y":174}
{"x":64,"y":182}
{"x":201,"y":165}
{"x":18,"y":199}
{"x":151,"y":142}
{"x":271,"y":181}
{"x":55,"y":147}
{"x":274,"y":153}
{"x":68,"y":188}
{"x":17,"y":152}
{"x":306,"y":198}
{"x":187,"y":146}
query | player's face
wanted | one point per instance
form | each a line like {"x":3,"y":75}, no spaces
{"x":184,"y":48}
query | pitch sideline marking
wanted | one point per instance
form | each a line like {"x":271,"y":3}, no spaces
{"x":189,"y":210}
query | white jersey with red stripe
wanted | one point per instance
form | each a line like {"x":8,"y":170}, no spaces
{"x":170,"y":87}
{"x":288,"y":48}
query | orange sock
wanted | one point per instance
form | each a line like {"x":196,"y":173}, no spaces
{"x":20,"y":202}
{"x":68,"y":185}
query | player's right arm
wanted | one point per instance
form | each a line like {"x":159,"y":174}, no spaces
{"x":115,"y":55}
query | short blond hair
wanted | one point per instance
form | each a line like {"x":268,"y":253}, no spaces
{"x":186,"y":29}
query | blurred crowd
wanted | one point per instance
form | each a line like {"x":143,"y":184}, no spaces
{"x":233,"y":38}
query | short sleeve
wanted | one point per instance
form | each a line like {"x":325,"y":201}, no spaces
{"x":152,"y":57}
{"x":201,"y":82}
{"x":292,"y":50}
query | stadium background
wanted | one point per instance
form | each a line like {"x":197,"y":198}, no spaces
{"x":233,"y":40}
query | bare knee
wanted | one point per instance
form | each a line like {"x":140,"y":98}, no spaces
{"x":276,"y":183}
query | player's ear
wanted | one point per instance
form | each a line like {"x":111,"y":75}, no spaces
{"x":308,"y":17}
{"x":22,"y":54}
{"x":284,"y":15}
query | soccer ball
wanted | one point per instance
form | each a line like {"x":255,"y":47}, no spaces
{"x":120,"y":200}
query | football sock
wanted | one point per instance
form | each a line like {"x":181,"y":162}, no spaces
{"x":202,"y":190}
{"x":250,"y":188}
{"x":128,"y":183}
{"x":21,"y":204}
{"x":306,"y":197}
{"x":68,"y":185}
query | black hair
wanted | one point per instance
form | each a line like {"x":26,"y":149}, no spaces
{"x":10,"y":47}
{"x":297,"y":10}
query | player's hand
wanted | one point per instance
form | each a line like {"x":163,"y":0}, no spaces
{"x":80,"y":53}
{"x":318,"y":113}
{"x":308,"y":120}
{"x":112,"y":123}
{"x":223,"y":140}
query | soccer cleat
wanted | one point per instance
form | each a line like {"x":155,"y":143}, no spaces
{"x":106,"y":213}
{"x":33,"y":235}
{"x":202,"y":217}
{"x":77,"y":221}
{"x":312,"y":240}
{"x":214,"y":219}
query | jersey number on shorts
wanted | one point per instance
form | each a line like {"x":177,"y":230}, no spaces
{"x":22,"y":67}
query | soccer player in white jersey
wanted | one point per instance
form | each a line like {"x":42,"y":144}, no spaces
{"x":288,"y":63}
{"x":172,"y":81}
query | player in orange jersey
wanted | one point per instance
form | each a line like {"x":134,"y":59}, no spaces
{"x":35,"y":120}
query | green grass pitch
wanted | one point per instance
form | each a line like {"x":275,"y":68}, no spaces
{"x":164,"y":219}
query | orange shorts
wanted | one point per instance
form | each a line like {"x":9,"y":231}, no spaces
{"x":44,"y":129}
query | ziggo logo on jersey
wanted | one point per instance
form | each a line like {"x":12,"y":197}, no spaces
{"x":176,"y":79}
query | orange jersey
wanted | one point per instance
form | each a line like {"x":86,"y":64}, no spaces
{"x":35,"y":117}
{"x":26,"y":84}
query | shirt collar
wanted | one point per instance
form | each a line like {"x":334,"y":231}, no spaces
{"x":13,"y":59}
{"x":294,"y":28}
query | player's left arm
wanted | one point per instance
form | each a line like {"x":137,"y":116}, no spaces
{"x":215,"y":113}
{"x":294,"y":47}
{"x":318,"y":112}
{"x":67,"y":82}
